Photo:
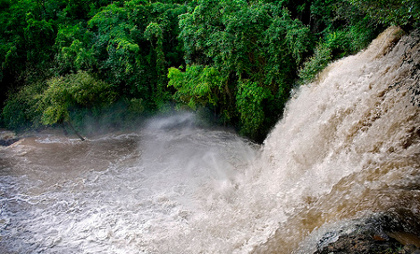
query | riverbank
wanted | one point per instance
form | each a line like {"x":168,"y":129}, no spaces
{"x":7,"y":137}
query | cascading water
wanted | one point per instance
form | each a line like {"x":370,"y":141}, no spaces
{"x":349,"y":143}
{"x":348,"y":146}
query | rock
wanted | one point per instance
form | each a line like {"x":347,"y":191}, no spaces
{"x":409,"y":249}
{"x":7,"y":138}
{"x":380,"y":234}
{"x":361,"y":242}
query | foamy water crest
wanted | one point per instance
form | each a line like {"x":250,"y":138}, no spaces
{"x":348,"y":146}
{"x":128,"y":193}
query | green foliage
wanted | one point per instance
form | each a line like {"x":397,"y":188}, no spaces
{"x":242,"y":57}
{"x":343,"y":30}
{"x":392,"y":12}
{"x":21,"y":108}
{"x":127,"y":44}
{"x":12,"y":23}
{"x":75,"y":90}
{"x":250,"y":100}
{"x":154,"y":34}
{"x":73,"y":54}
{"x":39,"y":37}
{"x":135,"y":106}
{"x":315,"y":64}
{"x":254,"y":46}
{"x":115,"y":42}
{"x":197,"y":86}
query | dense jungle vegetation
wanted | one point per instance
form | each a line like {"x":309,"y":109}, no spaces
{"x":234,"y":61}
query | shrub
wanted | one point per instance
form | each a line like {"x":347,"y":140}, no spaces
{"x":21,"y":107}
{"x":79,"y":90}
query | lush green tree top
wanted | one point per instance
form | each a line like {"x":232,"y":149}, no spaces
{"x":238,"y":58}
{"x":75,"y":90}
{"x":392,"y":12}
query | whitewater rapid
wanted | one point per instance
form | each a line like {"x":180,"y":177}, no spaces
{"x":347,"y":147}
{"x":140,"y":192}
{"x":348,"y":144}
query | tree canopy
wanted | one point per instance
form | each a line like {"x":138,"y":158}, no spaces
{"x":238,"y":59}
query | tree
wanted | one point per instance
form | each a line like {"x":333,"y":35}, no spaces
{"x":66,"y":93}
{"x":254,"y":48}
{"x":391,"y":12}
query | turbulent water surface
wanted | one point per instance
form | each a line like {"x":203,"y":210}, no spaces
{"x":348,"y":146}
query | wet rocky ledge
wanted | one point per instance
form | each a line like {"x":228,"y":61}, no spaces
{"x":387,"y":233}
{"x":7,"y":138}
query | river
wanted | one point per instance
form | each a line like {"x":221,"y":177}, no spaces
{"x":347,"y":147}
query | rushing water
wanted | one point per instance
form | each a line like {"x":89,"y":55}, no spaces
{"x":348,"y":146}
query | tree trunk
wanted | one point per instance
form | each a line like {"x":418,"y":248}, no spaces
{"x":71,"y":126}
{"x":64,"y":129}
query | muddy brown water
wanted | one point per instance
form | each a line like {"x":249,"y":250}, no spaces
{"x":347,"y":147}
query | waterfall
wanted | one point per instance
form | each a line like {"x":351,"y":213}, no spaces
{"x":347,"y":147}
{"x":349,"y":142}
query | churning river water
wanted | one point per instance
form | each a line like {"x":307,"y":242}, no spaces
{"x":347,"y":147}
